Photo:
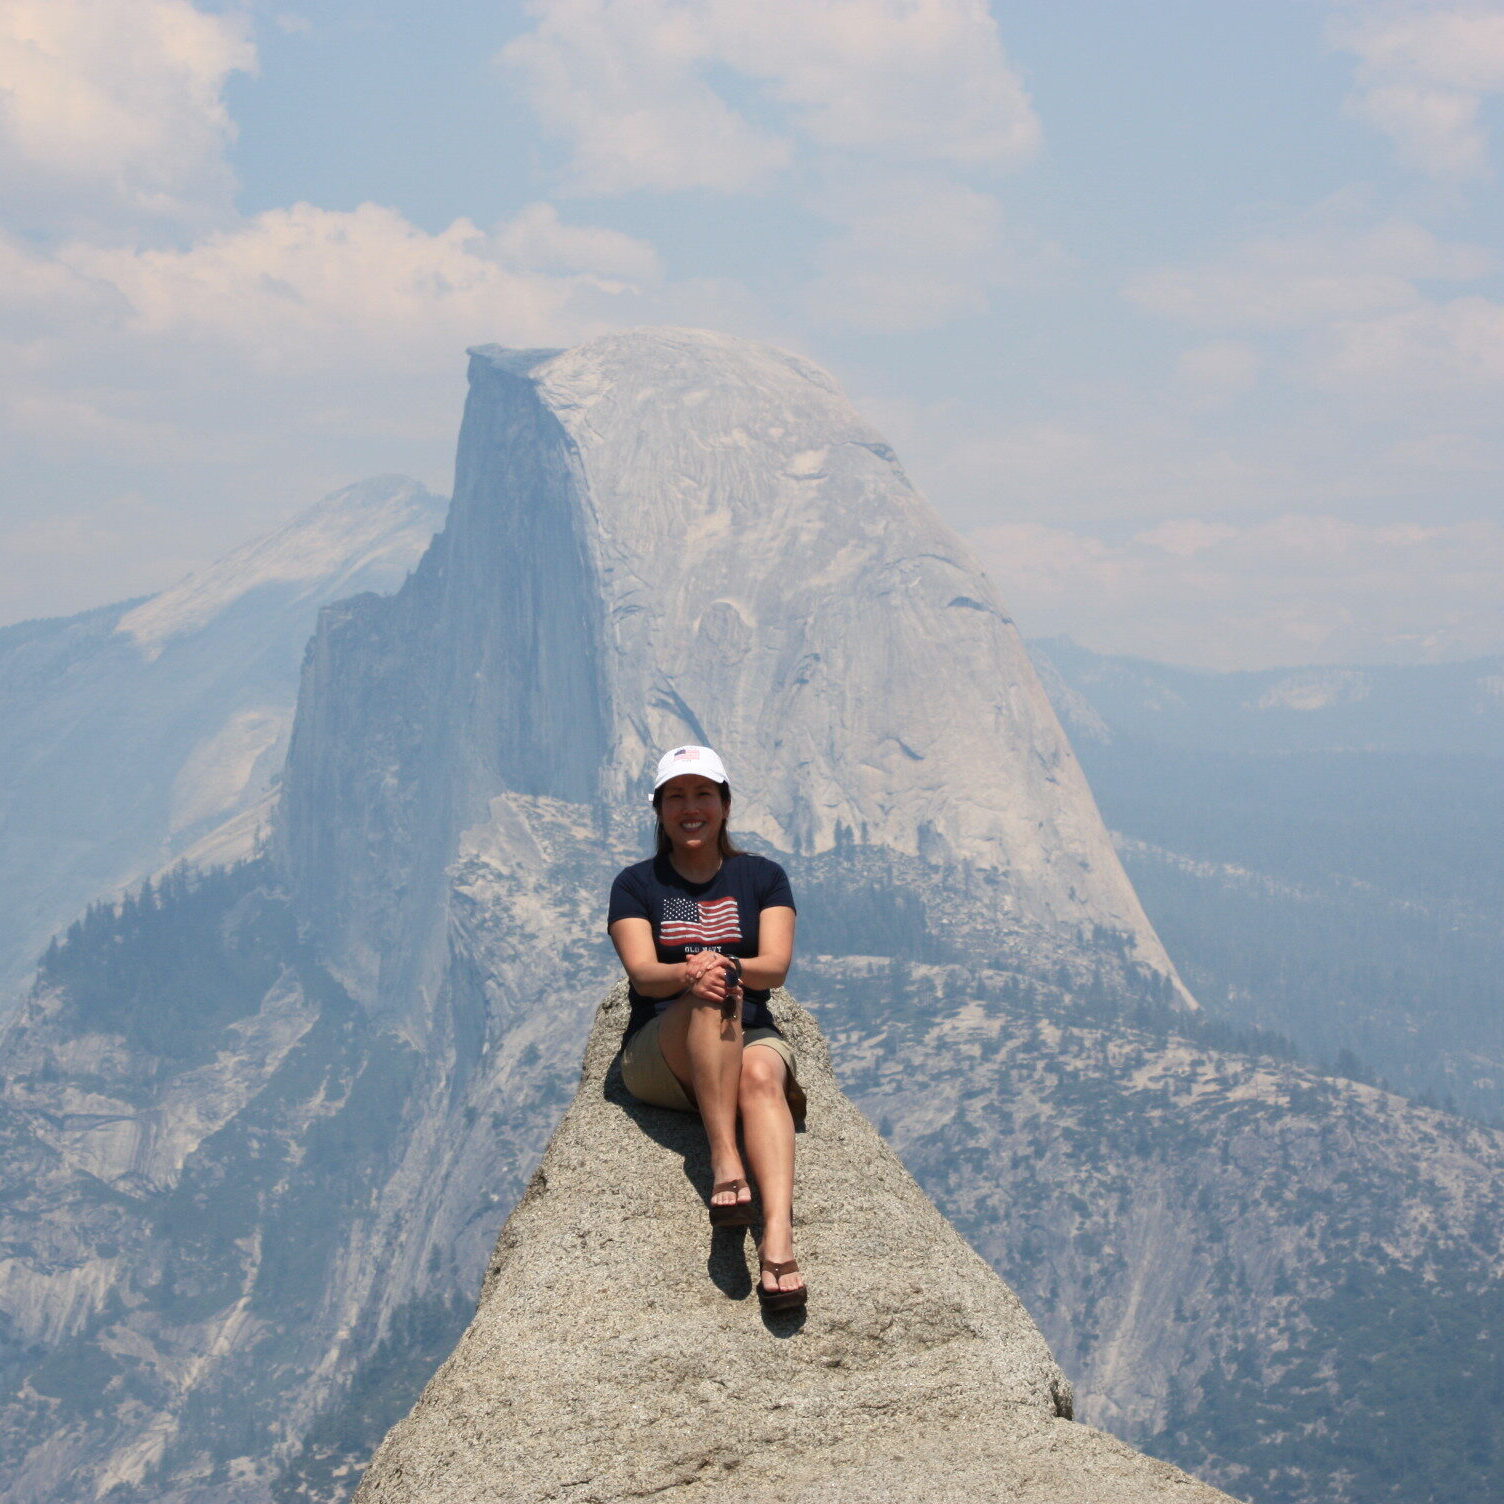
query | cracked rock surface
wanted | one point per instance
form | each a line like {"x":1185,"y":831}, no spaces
{"x":619,"y":1351}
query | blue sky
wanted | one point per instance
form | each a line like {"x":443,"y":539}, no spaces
{"x":1189,"y":315}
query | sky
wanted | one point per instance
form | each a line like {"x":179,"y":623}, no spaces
{"x":1187,"y":314}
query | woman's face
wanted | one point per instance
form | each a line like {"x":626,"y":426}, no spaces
{"x":692,"y":812}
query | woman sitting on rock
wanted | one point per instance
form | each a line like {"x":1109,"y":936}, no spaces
{"x":705,"y":932}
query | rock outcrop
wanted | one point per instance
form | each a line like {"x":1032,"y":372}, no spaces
{"x":670,"y":535}
{"x":619,"y":1352}
{"x":145,"y":733}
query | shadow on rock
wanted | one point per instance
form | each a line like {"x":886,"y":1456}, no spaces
{"x":726,"y":1262}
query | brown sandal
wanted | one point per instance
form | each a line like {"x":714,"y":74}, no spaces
{"x":779,"y":1300}
{"x":730,"y":1213}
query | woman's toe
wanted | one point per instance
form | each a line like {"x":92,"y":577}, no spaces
{"x":732,"y":1191}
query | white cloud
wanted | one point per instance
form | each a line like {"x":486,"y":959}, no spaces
{"x":1437,"y":130}
{"x":865,"y":110}
{"x":301,"y":288}
{"x":913,"y":252}
{"x":111,"y":111}
{"x":283,"y":299}
{"x":916,"y":80}
{"x":632,"y":86}
{"x":264,"y":364}
{"x":1323,"y":268}
{"x":1295,"y":589}
{"x":622,"y":82}
{"x":1365,"y":311}
{"x":1452,"y":349}
{"x":537,"y":240}
{"x":1185,"y":537}
{"x":1423,"y":73}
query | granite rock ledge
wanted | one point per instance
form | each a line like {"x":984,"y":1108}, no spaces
{"x":618,"y":1351}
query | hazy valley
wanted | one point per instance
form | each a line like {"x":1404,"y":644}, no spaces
{"x":1320,"y":848}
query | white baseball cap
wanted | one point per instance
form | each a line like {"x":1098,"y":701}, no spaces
{"x":680,"y":760}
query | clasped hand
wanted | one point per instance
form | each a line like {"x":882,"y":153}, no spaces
{"x":710,"y":978}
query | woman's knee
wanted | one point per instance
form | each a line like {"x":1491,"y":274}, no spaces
{"x":762,"y":1075}
{"x":692,"y":1015}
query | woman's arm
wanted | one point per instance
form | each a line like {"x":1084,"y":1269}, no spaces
{"x":775,"y":949}
{"x":704,"y":971}
{"x":633,"y":939}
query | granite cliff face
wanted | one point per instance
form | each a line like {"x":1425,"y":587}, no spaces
{"x":618,"y":1352}
{"x":665,"y":536}
{"x":144,"y":733}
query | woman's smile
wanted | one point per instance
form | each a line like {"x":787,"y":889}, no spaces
{"x":692,"y":811}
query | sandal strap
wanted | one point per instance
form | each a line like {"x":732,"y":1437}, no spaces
{"x":726,"y":1185}
{"x":779,"y":1268}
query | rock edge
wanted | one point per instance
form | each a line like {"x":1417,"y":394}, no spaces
{"x":618,"y":1351}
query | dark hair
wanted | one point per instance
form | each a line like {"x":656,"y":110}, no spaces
{"x":723,"y":842}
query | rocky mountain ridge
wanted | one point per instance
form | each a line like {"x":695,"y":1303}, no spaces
{"x":614,"y":1357}
{"x":153,"y":731}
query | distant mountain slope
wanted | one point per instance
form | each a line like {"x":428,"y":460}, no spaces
{"x":189,"y":1101}
{"x":1323,"y":850}
{"x":1455,"y":708}
{"x":1286,"y":1283}
{"x":131,"y":733}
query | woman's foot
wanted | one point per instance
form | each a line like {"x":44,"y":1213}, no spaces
{"x":779,"y":1279}
{"x":731,"y":1199}
{"x":773,"y":1296}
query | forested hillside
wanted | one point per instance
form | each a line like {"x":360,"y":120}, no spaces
{"x":1322,"y":851}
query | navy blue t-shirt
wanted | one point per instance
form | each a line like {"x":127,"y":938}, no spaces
{"x":722,"y":915}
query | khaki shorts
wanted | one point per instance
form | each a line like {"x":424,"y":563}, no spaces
{"x":646,"y":1074}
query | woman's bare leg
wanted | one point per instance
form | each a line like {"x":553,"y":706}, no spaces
{"x":704,"y":1050}
{"x":768,"y":1131}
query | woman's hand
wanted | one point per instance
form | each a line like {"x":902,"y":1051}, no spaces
{"x":702,"y":961}
{"x":713,"y":979}
{"x":705,"y":976}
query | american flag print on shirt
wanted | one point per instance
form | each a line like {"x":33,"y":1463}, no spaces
{"x":686,"y":922}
